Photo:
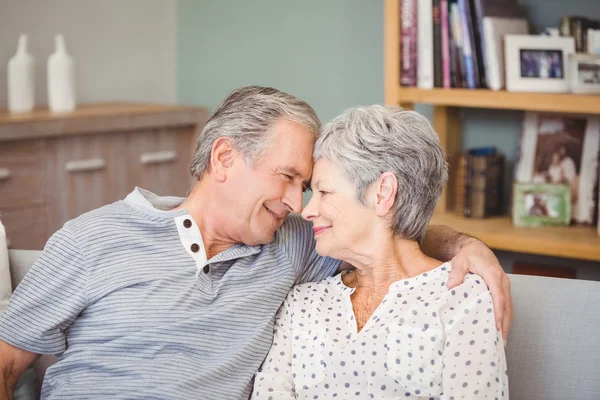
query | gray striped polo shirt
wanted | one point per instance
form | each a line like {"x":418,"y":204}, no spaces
{"x":125,"y":297}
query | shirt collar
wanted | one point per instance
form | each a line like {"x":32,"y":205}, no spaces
{"x":162,"y":206}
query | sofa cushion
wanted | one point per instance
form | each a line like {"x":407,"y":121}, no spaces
{"x":553,"y":347}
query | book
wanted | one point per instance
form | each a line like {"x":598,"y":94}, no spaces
{"x":446,"y":64}
{"x":495,"y":18}
{"x":408,"y":76}
{"x":436,"y":19}
{"x":425,"y":45}
{"x":494,"y":30}
{"x":469,"y":57}
{"x":486,"y":185}
{"x":593,"y":41}
{"x":460,"y":185}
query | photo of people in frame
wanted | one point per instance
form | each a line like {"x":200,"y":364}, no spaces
{"x":588,"y":73}
{"x":542,"y":205}
{"x":559,"y":150}
{"x":545,"y":64}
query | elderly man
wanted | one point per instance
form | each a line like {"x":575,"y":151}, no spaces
{"x":163,"y":297}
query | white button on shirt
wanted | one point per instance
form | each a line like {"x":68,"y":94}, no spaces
{"x":423,"y":341}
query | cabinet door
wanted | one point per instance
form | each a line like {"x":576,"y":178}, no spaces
{"x":22,"y":172}
{"x":160,"y":160}
{"x":89,"y":171}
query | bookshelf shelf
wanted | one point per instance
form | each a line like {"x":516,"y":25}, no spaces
{"x":483,"y":98}
{"x":571,"y":242}
{"x":579,"y":242}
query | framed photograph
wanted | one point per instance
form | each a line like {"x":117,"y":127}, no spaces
{"x":585,"y":73}
{"x":537,"y":63}
{"x":562,"y":149}
{"x":539,"y":204}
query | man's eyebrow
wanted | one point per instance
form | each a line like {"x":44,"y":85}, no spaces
{"x":291,"y":170}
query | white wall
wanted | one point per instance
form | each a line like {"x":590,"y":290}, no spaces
{"x":124,"y":50}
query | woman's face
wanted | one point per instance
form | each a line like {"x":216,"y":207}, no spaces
{"x":340,"y":221}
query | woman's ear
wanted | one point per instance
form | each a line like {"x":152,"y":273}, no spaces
{"x":387,"y":186}
{"x":221,"y":158}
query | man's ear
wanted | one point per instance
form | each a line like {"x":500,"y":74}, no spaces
{"x":221,"y":158}
{"x":385,"y":190}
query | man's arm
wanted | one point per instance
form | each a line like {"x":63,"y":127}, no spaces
{"x":13,"y":362}
{"x":468,"y":254}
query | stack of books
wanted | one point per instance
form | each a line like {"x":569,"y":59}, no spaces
{"x":479,"y":183}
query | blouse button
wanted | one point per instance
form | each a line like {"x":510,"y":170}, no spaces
{"x":195,"y":247}
{"x":187,"y":223}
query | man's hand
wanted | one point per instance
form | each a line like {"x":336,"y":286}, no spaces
{"x":476,"y":257}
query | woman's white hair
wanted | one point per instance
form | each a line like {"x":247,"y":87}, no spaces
{"x":368,"y":141}
{"x":245,"y":116}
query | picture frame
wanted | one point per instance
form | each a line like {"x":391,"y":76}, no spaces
{"x":537,"y":63}
{"x":557,"y":148}
{"x":541,"y":204}
{"x":585,"y":73}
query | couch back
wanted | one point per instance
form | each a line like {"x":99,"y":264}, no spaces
{"x":553,"y":349}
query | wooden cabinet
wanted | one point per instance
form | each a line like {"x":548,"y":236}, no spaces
{"x":54,"y":168}
{"x":155,"y":155}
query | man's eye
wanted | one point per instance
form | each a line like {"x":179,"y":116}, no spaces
{"x":288,"y":178}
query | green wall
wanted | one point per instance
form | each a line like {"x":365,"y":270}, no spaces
{"x":327,"y":52}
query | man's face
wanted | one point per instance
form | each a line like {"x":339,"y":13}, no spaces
{"x":263,"y":195}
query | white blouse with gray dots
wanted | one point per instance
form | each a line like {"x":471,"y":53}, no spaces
{"x":422,"y":342}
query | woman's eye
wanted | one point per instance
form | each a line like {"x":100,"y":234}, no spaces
{"x":322,"y":192}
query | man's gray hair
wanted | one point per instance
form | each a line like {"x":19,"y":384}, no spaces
{"x":368,"y":141}
{"x":245,"y":116}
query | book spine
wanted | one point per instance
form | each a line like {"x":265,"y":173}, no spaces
{"x":486,"y":186}
{"x":461,"y":186}
{"x":577,"y":33}
{"x":445,"y":44}
{"x":425,"y":45}
{"x":457,"y":36}
{"x":409,"y":43}
{"x":437,"y":43}
{"x":480,"y":39}
{"x":565,"y":26}
{"x":467,"y":37}
{"x":469,"y":175}
{"x":480,"y":81}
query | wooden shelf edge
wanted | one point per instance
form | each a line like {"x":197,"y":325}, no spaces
{"x":483,"y":98}
{"x":577,"y":242}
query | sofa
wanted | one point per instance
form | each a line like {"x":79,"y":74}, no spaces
{"x":553,"y":349}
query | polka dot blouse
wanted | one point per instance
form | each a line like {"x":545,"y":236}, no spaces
{"x":422,"y":342}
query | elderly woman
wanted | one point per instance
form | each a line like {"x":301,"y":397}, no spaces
{"x":390,"y":328}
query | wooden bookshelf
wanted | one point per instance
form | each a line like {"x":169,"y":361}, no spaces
{"x":483,"y":98}
{"x":498,"y":233}
{"x":579,"y":242}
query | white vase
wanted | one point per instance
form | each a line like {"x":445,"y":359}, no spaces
{"x":21,"y":91}
{"x":61,"y":79}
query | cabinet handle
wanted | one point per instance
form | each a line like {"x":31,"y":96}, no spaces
{"x":92,"y":164}
{"x":5,"y":174}
{"x":158,"y":157}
